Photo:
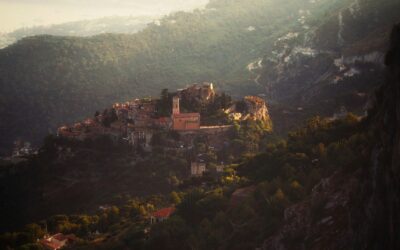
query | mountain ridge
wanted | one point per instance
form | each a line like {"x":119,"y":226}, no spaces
{"x":126,"y":25}
{"x":74,"y":76}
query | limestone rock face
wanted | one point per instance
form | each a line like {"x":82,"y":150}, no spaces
{"x":257,"y":108}
{"x":251,"y":108}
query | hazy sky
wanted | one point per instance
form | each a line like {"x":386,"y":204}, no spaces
{"x":24,"y":13}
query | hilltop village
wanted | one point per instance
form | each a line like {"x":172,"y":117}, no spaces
{"x":197,"y":111}
{"x":142,"y":150}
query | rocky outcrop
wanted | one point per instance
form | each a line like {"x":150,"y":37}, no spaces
{"x":322,"y":221}
{"x":379,"y":227}
{"x":358,"y":210}
{"x":256,"y":108}
{"x":252,"y":108}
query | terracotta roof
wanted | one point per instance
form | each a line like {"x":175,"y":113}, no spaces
{"x":164,"y":213}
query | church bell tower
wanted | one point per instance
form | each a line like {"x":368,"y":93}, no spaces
{"x":175,"y":105}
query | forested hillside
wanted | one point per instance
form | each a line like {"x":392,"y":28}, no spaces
{"x":46,"y":81}
{"x":124,"y":178}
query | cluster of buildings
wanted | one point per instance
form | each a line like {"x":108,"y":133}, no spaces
{"x":136,"y":121}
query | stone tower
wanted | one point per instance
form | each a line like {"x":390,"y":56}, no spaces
{"x":175,"y":105}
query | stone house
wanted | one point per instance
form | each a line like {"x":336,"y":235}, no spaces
{"x":197,"y":168}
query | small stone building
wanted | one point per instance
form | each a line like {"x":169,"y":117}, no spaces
{"x":197,"y":168}
{"x":161,"y":215}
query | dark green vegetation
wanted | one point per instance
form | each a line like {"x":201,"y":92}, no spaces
{"x":74,"y":178}
{"x":46,"y":81}
{"x":67,"y":175}
{"x":207,"y":216}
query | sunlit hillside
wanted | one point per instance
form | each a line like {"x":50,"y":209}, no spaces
{"x":247,"y":124}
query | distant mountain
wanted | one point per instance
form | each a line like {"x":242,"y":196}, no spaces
{"x":333,"y":58}
{"x":116,"y":24}
{"x":290,"y":51}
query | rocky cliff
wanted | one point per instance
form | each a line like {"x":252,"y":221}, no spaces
{"x":335,"y":63}
{"x":256,"y":108}
{"x":350,"y":41}
{"x":379,"y":229}
{"x":358,"y":210}
{"x":251,"y":108}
